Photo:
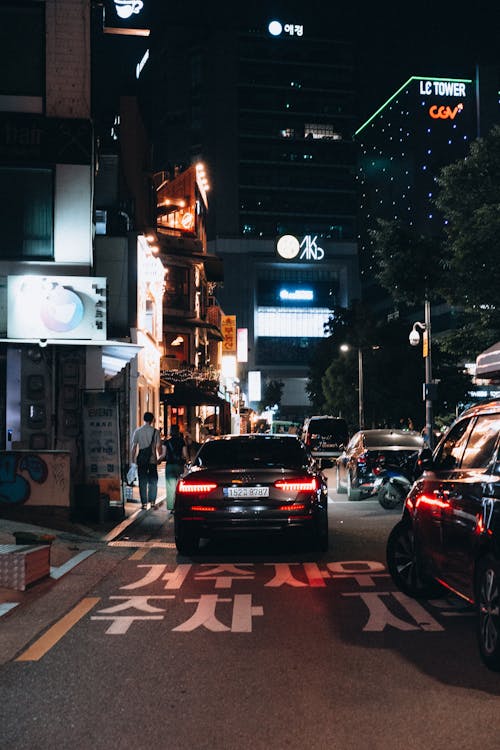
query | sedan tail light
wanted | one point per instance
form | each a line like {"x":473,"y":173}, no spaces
{"x":301,"y":484}
{"x":363,"y":458}
{"x":194,"y":488}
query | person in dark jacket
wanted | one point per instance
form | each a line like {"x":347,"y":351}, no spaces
{"x":175,"y":456}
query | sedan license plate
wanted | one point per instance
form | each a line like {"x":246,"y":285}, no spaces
{"x":246,"y":491}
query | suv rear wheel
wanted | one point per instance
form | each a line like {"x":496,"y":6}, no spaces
{"x":404,"y":565}
{"x":488,"y":606}
{"x":187,"y":541}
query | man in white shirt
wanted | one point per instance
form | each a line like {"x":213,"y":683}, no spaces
{"x":146,"y":447}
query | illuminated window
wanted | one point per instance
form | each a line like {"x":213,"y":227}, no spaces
{"x":327,"y":132}
{"x":290,"y":322}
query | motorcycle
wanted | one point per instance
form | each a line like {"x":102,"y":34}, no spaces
{"x":392,"y":488}
{"x":394,"y":482}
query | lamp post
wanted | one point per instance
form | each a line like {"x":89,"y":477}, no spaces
{"x":428,"y":390}
{"x":361,"y":407}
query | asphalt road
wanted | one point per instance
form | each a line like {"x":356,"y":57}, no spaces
{"x":139,"y":648}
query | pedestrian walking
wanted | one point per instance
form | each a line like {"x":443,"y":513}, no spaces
{"x":175,"y":455}
{"x":146,"y":448}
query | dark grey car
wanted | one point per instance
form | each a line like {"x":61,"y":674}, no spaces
{"x":247,"y":484}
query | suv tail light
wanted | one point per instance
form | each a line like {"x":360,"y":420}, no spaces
{"x":301,"y":484}
{"x":194,"y":488}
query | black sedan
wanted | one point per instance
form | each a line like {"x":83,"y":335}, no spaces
{"x":247,"y":484}
{"x":449,"y":534}
{"x":368,"y":452}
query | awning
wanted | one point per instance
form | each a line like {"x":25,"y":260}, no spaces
{"x":187,"y":395}
{"x":115,"y":354}
{"x":488,"y":363}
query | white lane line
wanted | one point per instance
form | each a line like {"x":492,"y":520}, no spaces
{"x":6,"y":607}
{"x":63,"y":569}
{"x":149,"y":545}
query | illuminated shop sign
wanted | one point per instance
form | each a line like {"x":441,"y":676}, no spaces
{"x":56,"y":307}
{"x":290,"y":247}
{"x":276,"y":28}
{"x":126,"y":17}
{"x":297,"y":295}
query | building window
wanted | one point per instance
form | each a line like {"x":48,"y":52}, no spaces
{"x":327,"y":132}
{"x":177,"y":288}
{"x":27,"y":213}
{"x":22,"y":32}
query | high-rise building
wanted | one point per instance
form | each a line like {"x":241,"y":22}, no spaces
{"x":428,"y":123}
{"x":268,"y":104}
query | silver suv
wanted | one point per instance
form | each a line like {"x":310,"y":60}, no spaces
{"x":325,"y":436}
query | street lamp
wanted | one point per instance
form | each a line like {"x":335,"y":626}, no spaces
{"x":429,"y":386}
{"x":361,"y":408}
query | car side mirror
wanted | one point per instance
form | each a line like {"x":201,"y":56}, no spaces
{"x":425,"y":461}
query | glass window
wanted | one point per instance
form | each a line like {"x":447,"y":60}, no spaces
{"x":286,"y":452}
{"x":177,"y":288}
{"x":452,"y":446}
{"x":26,"y":213}
{"x":22,"y":53}
{"x":482,"y":441}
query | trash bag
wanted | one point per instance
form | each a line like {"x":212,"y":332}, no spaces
{"x":132,"y":474}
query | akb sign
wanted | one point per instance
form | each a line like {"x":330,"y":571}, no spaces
{"x":290,"y":248}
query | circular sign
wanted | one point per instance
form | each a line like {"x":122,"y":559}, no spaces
{"x":62,"y":310}
{"x":275,"y":28}
{"x":288,"y":246}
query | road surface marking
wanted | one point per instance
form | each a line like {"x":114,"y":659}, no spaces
{"x":6,"y":607}
{"x":57,"y":631}
{"x":148,"y":545}
{"x":62,"y":569}
{"x":139,"y":554}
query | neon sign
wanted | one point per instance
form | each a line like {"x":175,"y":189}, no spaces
{"x":289,"y":247}
{"x":127,"y":8}
{"x":276,"y":28}
{"x":442,"y":88}
{"x":445,"y":113}
{"x":297,"y":295}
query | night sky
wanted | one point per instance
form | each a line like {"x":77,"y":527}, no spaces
{"x":393,"y":40}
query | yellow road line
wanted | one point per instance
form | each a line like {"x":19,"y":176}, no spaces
{"x":57,"y":631}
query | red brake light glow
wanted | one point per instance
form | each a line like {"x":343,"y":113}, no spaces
{"x":297,"y":485}
{"x":208,"y":508}
{"x":195,"y":488}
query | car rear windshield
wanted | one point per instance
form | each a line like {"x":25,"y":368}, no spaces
{"x":377,"y":439}
{"x":246,"y":453}
{"x":335,"y":429}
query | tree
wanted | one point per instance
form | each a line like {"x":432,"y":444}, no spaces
{"x":410,"y":265}
{"x":272,"y":394}
{"x":469,"y":199}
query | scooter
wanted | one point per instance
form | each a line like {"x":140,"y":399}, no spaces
{"x":392,"y":488}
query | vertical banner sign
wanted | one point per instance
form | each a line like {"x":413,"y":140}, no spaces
{"x":102,"y":443}
{"x":228,"y":329}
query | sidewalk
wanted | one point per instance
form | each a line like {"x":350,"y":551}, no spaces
{"x":39,"y":521}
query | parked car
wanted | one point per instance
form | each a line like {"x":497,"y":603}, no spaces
{"x":369,"y":452}
{"x":247,"y":484}
{"x":325,"y":436}
{"x":449,"y":533}
{"x":284,"y":427}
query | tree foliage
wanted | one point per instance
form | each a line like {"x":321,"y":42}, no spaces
{"x":469,"y":199}
{"x":272,"y":394}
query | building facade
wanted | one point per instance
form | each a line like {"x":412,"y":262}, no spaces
{"x":269,"y":105}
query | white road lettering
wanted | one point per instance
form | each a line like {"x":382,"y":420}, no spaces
{"x":380,"y":616}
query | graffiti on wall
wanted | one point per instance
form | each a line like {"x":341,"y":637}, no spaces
{"x":34,"y":478}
